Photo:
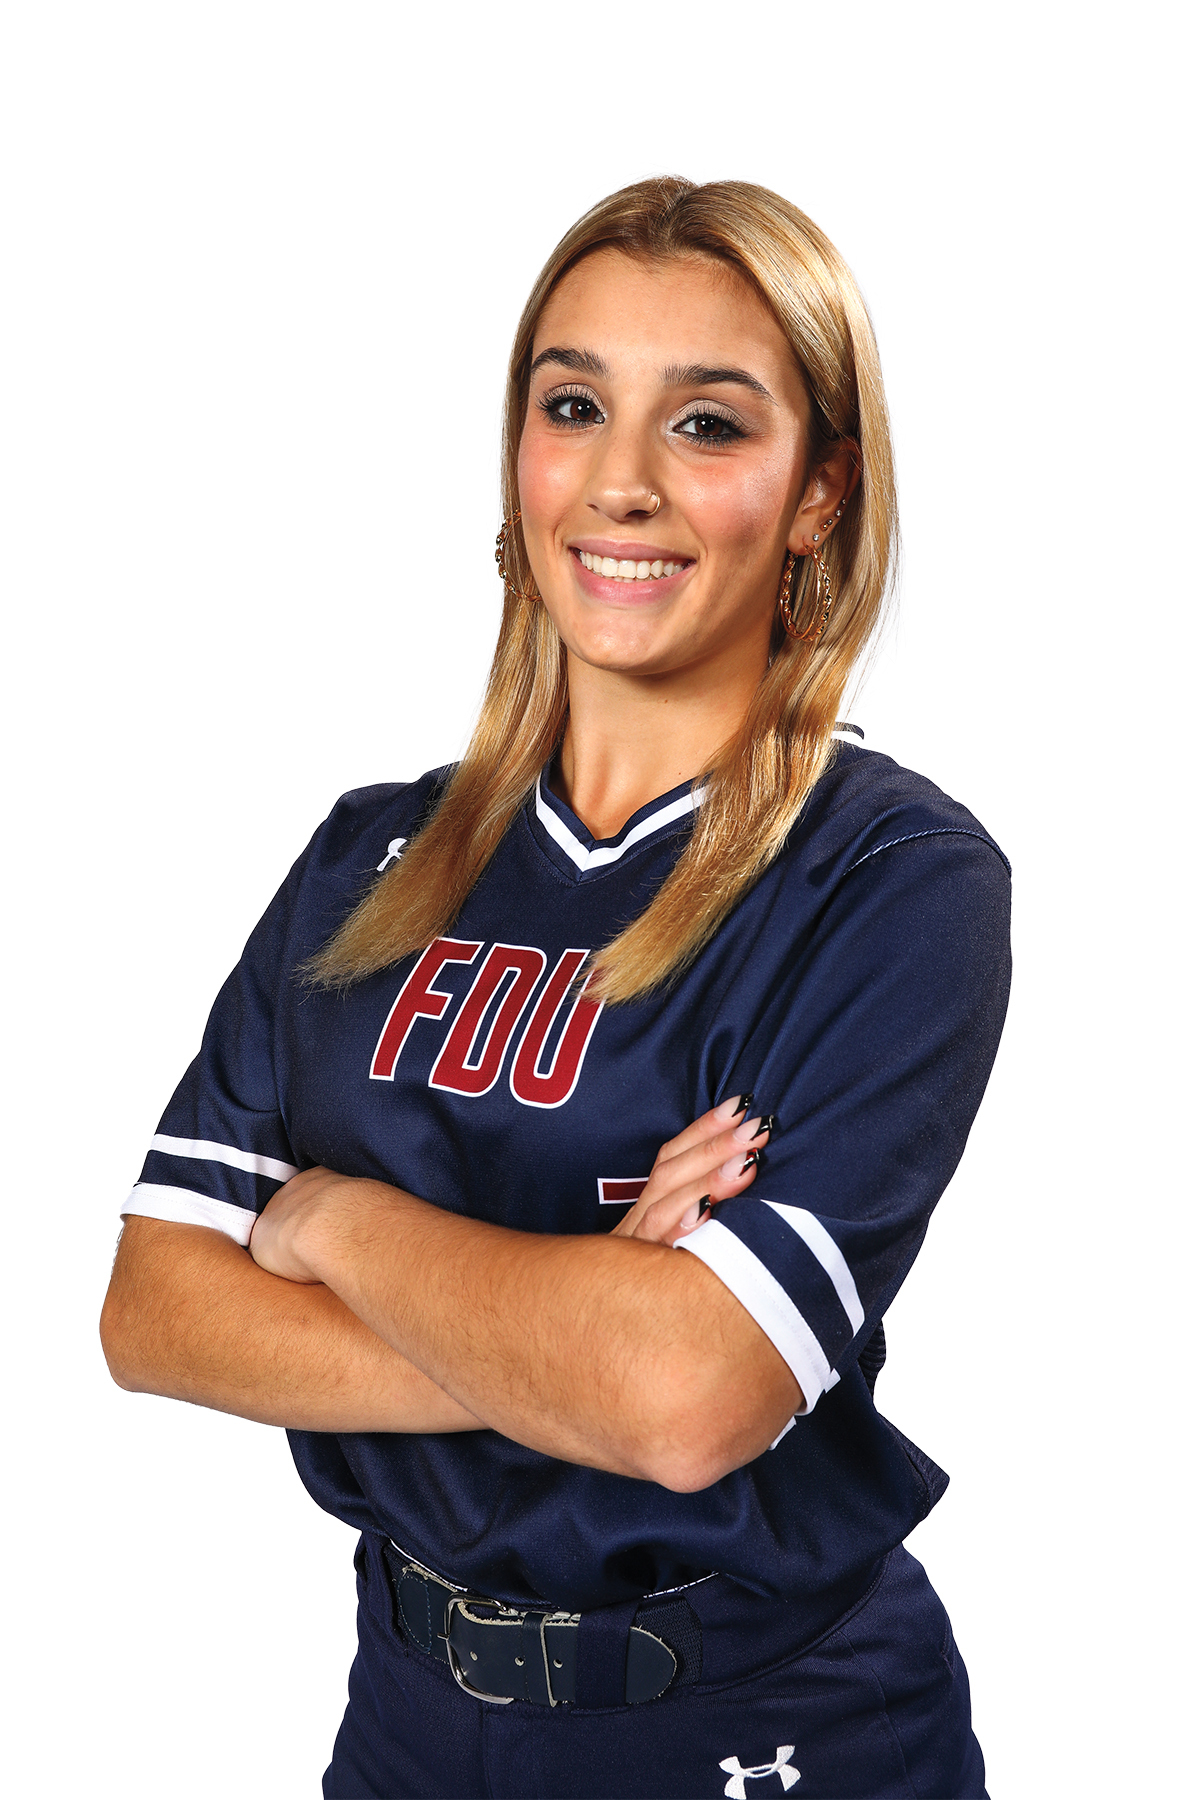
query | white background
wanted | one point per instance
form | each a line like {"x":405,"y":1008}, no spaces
{"x":263,"y":263}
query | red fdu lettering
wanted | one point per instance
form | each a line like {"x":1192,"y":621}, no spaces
{"x":475,"y":1047}
{"x":418,"y":999}
{"x":532,"y":1085}
{"x":456,"y":1068}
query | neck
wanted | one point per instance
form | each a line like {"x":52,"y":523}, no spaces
{"x":630,"y":738}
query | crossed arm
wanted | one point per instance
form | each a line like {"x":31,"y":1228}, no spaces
{"x":363,"y":1308}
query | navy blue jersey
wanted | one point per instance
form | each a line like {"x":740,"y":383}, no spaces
{"x":858,"y":989}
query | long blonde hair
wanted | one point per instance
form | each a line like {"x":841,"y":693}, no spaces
{"x":761,"y":778}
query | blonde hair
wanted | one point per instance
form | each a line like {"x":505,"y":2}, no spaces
{"x":761,"y":778}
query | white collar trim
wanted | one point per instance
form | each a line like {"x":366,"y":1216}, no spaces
{"x":585,"y":860}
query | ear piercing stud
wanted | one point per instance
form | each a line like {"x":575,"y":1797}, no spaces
{"x":829,"y":524}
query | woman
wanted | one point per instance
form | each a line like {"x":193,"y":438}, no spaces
{"x":510,"y":1021}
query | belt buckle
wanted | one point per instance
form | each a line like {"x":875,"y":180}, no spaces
{"x":464,"y":1600}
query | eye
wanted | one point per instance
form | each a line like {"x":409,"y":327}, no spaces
{"x":571,"y":408}
{"x":710,"y":427}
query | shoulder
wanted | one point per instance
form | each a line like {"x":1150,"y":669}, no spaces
{"x":370,"y":824}
{"x":365,"y":832}
{"x":886,"y":884}
{"x":874,"y":841}
{"x":866,"y":804}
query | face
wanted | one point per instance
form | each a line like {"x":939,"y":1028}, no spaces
{"x":667,"y":379}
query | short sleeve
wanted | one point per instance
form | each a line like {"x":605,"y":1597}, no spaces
{"x":874,"y":1056}
{"x":221,"y":1149}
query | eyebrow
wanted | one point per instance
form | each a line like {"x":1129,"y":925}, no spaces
{"x":586,"y":362}
{"x":701,"y":375}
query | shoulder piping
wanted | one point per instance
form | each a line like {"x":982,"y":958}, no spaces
{"x":935,"y":831}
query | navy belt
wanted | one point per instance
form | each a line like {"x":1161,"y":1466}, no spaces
{"x":501,"y":1653}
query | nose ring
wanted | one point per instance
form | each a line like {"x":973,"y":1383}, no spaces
{"x":657,"y":502}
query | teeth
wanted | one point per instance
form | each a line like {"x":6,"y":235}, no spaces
{"x":627,"y":570}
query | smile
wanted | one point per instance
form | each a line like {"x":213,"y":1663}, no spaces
{"x":627,"y":570}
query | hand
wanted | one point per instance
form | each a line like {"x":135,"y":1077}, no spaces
{"x":277,"y":1240}
{"x":706,"y":1163}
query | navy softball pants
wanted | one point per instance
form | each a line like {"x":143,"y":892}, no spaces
{"x":877,"y":1707}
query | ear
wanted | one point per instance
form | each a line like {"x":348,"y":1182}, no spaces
{"x":829,"y":486}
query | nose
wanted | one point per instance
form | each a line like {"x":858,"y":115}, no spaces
{"x":624,"y":482}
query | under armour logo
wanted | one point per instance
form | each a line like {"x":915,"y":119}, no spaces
{"x":735,"y":1787}
{"x":393,"y":855}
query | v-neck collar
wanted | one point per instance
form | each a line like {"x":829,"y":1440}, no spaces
{"x":587,"y":855}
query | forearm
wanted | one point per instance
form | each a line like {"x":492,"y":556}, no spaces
{"x":190,"y":1315}
{"x":607,"y":1351}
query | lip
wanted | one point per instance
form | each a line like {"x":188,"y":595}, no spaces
{"x":614,"y":593}
{"x":629,"y":550}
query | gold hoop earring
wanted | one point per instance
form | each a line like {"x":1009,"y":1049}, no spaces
{"x":812,"y":634}
{"x":785,"y":594}
{"x":502,"y":537}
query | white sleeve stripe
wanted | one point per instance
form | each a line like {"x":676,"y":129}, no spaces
{"x":768,"y":1304}
{"x":203,"y":1150}
{"x":180,"y":1206}
{"x":823,"y":1247}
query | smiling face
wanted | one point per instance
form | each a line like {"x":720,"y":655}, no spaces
{"x":667,"y":379}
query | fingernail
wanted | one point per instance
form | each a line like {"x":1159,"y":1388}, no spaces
{"x":753,"y":1157}
{"x":769,"y":1123}
{"x":747,"y":1131}
{"x":737,"y":1103}
{"x":737,"y":1165}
